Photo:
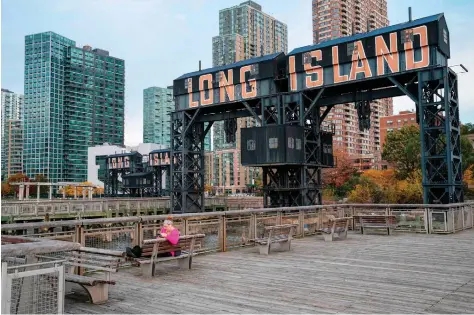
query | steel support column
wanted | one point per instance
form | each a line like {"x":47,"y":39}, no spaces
{"x":296,"y":185}
{"x":187,"y":163}
{"x":440,"y":136}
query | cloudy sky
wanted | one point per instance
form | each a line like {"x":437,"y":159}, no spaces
{"x":162,"y":39}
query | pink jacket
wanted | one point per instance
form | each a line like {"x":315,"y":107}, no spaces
{"x":172,"y":237}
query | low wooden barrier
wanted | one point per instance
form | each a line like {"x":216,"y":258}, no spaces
{"x":226,"y":230}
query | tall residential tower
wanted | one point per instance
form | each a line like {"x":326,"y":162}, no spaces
{"x":338,"y":18}
{"x":245,"y":31}
{"x":12,"y":139}
{"x":157,"y":107}
{"x":74,"y":99}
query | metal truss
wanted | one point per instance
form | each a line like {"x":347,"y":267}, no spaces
{"x":230,"y":128}
{"x":438,"y":110}
{"x":435,"y":91}
{"x":187,"y":162}
{"x":296,"y":185}
{"x":111,"y":183}
{"x":159,"y":187}
{"x":363,"y":113}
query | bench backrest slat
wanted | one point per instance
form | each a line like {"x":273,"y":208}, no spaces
{"x":280,"y":231}
{"x":385,"y":219}
{"x":159,"y":246}
{"x":334,"y":223}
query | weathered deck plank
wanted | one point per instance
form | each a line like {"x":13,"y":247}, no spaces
{"x":403,"y":273}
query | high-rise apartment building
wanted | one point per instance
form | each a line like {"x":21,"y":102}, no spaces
{"x":227,"y":49}
{"x":12,"y":140}
{"x":14,"y":149}
{"x":396,"y":122}
{"x":74,"y":99}
{"x":158,"y":104}
{"x":245,"y":31}
{"x":338,"y":18}
{"x":157,"y":107}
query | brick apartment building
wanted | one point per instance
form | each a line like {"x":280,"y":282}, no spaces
{"x":337,"y":18}
{"x":394,"y":122}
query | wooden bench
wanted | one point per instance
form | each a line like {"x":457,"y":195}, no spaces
{"x":153,"y":248}
{"x":335,"y":227}
{"x":379,"y":221}
{"x":96,"y":261}
{"x":277,"y":234}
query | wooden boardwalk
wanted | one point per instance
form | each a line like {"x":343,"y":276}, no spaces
{"x":402,"y":273}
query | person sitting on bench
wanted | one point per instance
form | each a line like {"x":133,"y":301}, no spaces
{"x":169,"y":232}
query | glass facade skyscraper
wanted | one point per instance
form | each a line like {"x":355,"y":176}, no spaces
{"x":12,"y":140}
{"x":158,"y":104}
{"x":157,"y":107}
{"x":74,"y":99}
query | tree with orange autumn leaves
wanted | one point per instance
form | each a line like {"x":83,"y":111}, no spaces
{"x":371,"y":186}
{"x":341,"y":179}
{"x":70,"y":190}
{"x":341,"y":173}
{"x":382,"y":186}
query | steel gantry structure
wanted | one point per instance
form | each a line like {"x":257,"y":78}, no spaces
{"x":132,"y":175}
{"x":299,"y":89}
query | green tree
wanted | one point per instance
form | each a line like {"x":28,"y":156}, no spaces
{"x":403,"y":149}
{"x":467,"y":153}
{"x":467,"y":128}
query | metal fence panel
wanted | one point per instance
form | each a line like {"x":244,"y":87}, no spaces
{"x":35,"y":291}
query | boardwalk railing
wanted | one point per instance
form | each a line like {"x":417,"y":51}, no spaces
{"x":115,"y":206}
{"x":230,"y":229}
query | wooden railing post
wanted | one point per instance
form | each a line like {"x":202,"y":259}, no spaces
{"x":301,"y":222}
{"x":138,"y":237}
{"x":353,"y":218}
{"x":427,"y":220}
{"x":472,"y":215}
{"x":253,"y":226}
{"x":79,"y":237}
{"x":222,"y":234}
{"x":278,"y":221}
{"x":453,"y":219}
{"x":185,"y":226}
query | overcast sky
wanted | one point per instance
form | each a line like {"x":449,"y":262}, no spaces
{"x":162,"y":39}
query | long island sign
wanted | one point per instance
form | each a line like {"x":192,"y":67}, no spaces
{"x":395,"y":49}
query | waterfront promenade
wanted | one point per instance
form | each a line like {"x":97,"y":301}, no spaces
{"x":401,"y":273}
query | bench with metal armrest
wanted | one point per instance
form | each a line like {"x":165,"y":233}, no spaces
{"x":335,"y":227}
{"x":97,"y":262}
{"x":379,"y":221}
{"x":277,"y":234}
{"x":153,"y":251}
